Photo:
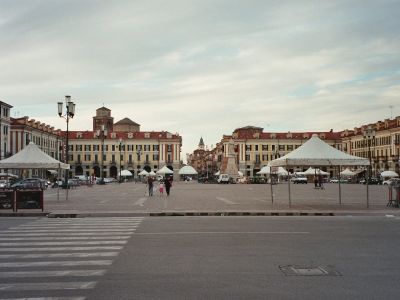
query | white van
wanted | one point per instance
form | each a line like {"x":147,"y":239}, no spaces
{"x":223,"y":178}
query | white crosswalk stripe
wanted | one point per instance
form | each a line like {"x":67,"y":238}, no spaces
{"x":77,"y":251}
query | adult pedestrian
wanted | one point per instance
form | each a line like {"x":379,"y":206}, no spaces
{"x":150,"y":185}
{"x":168,"y":184}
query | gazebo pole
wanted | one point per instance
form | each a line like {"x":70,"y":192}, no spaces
{"x":367,"y":184}
{"x":272,"y":191}
{"x":290,"y":200}
{"x":340,"y":189}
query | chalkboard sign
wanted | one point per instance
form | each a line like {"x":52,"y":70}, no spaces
{"x":29,"y":199}
{"x":7,"y":200}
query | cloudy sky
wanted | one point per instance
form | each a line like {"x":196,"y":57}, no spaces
{"x":203,"y":68}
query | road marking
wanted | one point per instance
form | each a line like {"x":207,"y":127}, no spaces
{"x":79,"y":224}
{"x":47,"y":298}
{"x":225,"y":200}
{"x":69,"y":230}
{"x":64,"y":234}
{"x":43,"y":286}
{"x":58,"y":255}
{"x":88,"y":228}
{"x":222,"y":232}
{"x":89,"y":248}
{"x":63,"y":243}
{"x":63,"y":263}
{"x":67,"y":273}
{"x":140,"y":202}
{"x":47,"y":238}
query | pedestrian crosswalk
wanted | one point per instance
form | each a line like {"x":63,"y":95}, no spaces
{"x":60,"y":259}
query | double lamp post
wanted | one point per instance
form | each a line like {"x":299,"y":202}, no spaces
{"x":69,"y":114}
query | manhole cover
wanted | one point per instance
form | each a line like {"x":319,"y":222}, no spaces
{"x":295,"y":270}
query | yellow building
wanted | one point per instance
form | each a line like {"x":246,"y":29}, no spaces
{"x":124,"y":147}
{"x":380,"y":142}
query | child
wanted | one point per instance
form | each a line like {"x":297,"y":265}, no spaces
{"x":161,"y":188}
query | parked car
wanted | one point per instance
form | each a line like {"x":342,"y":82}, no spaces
{"x":372,"y":180}
{"x":299,"y":179}
{"x":257,"y":180}
{"x":4,"y":184}
{"x":391,"y":181}
{"x":336,"y":180}
{"x":223,"y":178}
{"x":30,"y":183}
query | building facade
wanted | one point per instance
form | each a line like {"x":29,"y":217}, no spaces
{"x":5,"y":130}
{"x":379,"y":142}
{"x":121,"y":146}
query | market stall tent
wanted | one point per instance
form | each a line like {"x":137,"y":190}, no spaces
{"x":187,"y":170}
{"x":31,"y":157}
{"x":316,"y":152}
{"x":165,"y":170}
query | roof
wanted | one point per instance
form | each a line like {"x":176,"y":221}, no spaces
{"x":103,"y":108}
{"x":316,"y":152}
{"x":75,"y":135}
{"x":126,"y":121}
{"x":31,"y":157}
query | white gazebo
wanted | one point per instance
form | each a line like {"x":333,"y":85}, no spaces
{"x":126,"y":173}
{"x":165,"y":170}
{"x":31,"y":157}
{"x":143,"y":173}
{"x":187,"y":170}
{"x":316,"y":152}
{"x":347,"y":172}
{"x":389,"y":174}
{"x":316,"y":171}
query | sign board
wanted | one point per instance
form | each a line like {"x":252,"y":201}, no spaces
{"x":7,"y":200}
{"x":29,"y":199}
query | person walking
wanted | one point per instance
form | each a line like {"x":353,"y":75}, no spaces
{"x":161,"y":188}
{"x":150,"y":185}
{"x":168,"y":184}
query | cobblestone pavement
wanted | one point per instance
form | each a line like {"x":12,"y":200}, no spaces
{"x":192,"y":196}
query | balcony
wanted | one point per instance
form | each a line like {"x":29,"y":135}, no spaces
{"x":113,"y":162}
{"x":130,"y":163}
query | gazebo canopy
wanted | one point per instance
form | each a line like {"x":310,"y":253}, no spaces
{"x":267,"y":170}
{"x":126,"y":173}
{"x":143,"y":173}
{"x":187,"y":170}
{"x":316,"y":152}
{"x":165,"y":170}
{"x":389,"y":174}
{"x":312,"y":171}
{"x":151,"y":173}
{"x":31,"y":157}
{"x":347,"y":172}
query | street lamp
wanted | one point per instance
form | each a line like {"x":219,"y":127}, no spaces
{"x":69,"y":113}
{"x":102,"y":133}
{"x":120,"y":158}
{"x":369,"y":135}
{"x":139,"y":153}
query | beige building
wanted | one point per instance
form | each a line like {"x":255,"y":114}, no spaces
{"x":5,"y":130}
{"x":124,"y":147}
{"x":378,"y":141}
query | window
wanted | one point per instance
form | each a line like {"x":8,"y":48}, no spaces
{"x":265,"y":157}
{"x":78,"y":147}
{"x":130,"y":158}
{"x":281,"y":147}
{"x":155,"y":156}
{"x":87,"y":147}
{"x":87,"y":157}
{"x":169,"y":148}
{"x":146,"y":147}
{"x":155,"y":147}
{"x":264,"y":147}
{"x":96,"y":147}
{"x":138,"y":147}
{"x":256,"y":147}
{"x":289,"y":147}
{"x":112,"y":147}
{"x":247,"y":157}
{"x":248,"y":147}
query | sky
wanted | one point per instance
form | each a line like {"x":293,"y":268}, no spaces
{"x":203,"y":68}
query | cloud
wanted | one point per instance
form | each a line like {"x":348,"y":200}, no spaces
{"x":203,"y":68}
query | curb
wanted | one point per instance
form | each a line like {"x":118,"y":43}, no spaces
{"x":198,"y":214}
